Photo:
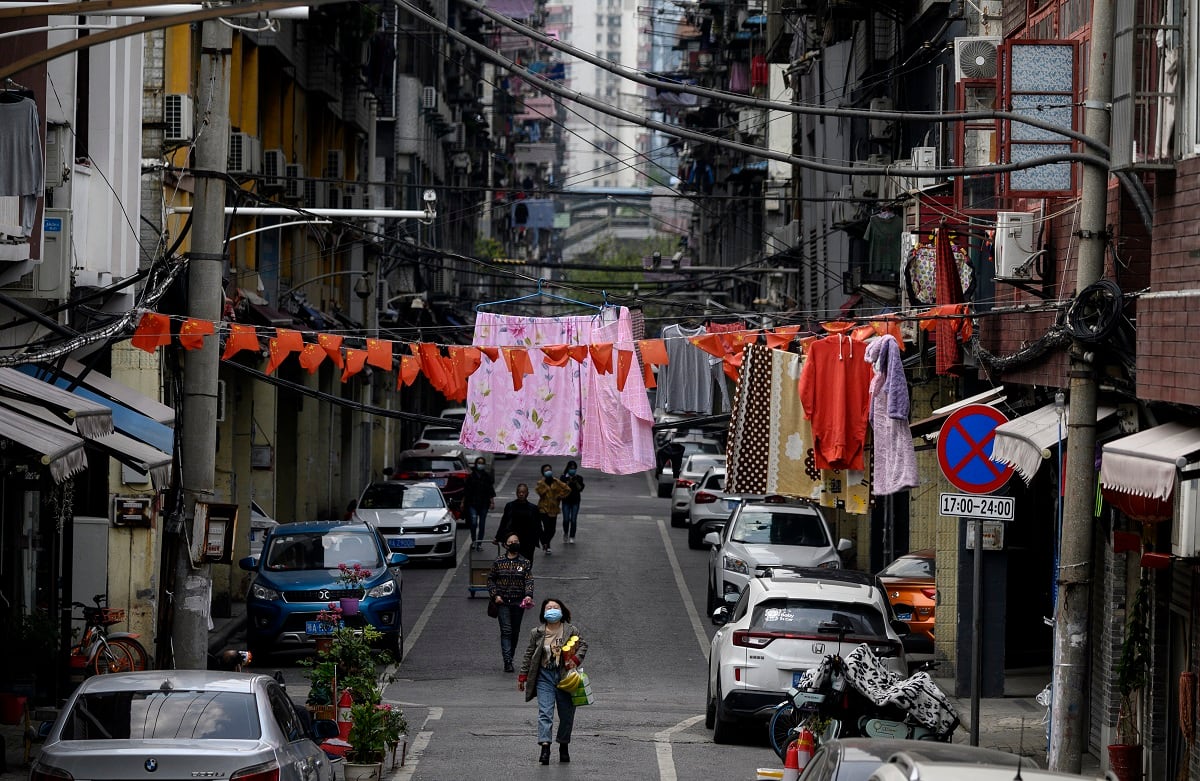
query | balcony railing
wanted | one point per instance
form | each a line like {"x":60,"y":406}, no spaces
{"x":1147,"y":53}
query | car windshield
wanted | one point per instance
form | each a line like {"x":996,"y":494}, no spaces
{"x":165,"y":715}
{"x":910,"y":567}
{"x":700,"y":463}
{"x":398,"y":496}
{"x":440,"y":435}
{"x":429,"y":464}
{"x":321,"y":550}
{"x":691,"y":446}
{"x":759,"y":526}
{"x":803,"y":616}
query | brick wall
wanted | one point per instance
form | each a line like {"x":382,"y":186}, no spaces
{"x":153,"y":79}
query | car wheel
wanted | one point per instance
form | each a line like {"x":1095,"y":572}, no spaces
{"x":723,"y":728}
{"x":695,"y":538}
{"x":664,"y":491}
{"x":396,"y":651}
{"x":710,"y":707}
{"x":678,"y":520}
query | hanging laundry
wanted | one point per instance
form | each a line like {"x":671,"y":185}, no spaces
{"x":895,"y":461}
{"x":883,"y":243}
{"x":920,"y":273}
{"x":22,"y":173}
{"x":771,"y":441}
{"x":834,"y":389}
{"x":949,"y":291}
{"x":685,"y":381}
{"x":617,"y":434}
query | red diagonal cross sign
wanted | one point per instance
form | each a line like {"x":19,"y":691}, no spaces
{"x":975,"y":449}
{"x":963,"y":445}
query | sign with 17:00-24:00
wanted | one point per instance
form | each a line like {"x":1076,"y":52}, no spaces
{"x":978,"y":506}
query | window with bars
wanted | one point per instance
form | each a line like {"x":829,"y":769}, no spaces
{"x":1148,"y":56}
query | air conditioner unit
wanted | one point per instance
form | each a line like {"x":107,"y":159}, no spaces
{"x":845,"y":208}
{"x":901,"y":181}
{"x":335,"y":164}
{"x":459,"y":140}
{"x":1185,"y":522}
{"x":274,"y":167}
{"x":245,"y":154}
{"x":881,"y":129}
{"x":871,"y":185}
{"x":177,"y":116}
{"x":293,"y":181}
{"x":1014,"y":245}
{"x":924,"y":158}
{"x":51,"y":279}
{"x":976,"y":57}
{"x":316,"y":194}
{"x":429,"y":98}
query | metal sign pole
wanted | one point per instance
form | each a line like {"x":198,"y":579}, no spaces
{"x":977,"y":632}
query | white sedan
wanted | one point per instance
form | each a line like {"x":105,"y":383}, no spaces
{"x":412,"y":518}
{"x":694,"y":467}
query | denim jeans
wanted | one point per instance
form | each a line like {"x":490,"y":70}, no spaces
{"x":548,"y":694}
{"x":570,"y":516}
{"x":476,"y":519}
{"x":510,"y":617}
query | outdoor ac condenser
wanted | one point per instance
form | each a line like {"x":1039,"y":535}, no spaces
{"x":1014,"y":245}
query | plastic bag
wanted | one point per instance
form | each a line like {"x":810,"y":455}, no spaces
{"x":583,"y":694}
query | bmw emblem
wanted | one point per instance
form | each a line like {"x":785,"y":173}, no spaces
{"x":151,"y":765}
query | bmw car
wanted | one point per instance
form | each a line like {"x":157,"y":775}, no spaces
{"x":412,"y":518}
{"x":183,"y":724}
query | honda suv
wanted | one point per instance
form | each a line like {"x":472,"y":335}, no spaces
{"x":296,"y":577}
{"x":784,"y":623}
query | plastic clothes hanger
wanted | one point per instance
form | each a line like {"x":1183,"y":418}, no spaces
{"x":536,"y":294}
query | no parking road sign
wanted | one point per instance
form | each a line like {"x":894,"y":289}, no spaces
{"x":964,"y":449}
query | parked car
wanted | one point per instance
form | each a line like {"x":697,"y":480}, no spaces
{"x":448,"y":472}
{"x":670,"y":457}
{"x":413,"y":519}
{"x":183,"y":724}
{"x":443,"y":441}
{"x":903,"y":767}
{"x":784,"y":623}
{"x":765,"y":533}
{"x":296,"y":577}
{"x":708,"y":507}
{"x":854,"y":759}
{"x":911,"y":583}
{"x":693,"y":469}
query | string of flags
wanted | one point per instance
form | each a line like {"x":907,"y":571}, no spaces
{"x":447,"y":367}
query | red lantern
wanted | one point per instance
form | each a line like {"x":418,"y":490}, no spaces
{"x":1144,"y":509}
{"x":1156,"y":560}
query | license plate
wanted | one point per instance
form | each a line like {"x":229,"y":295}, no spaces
{"x":796,"y":677}
{"x":441,"y":482}
{"x":401,"y":542}
{"x":904,"y":616}
{"x":317,"y":628}
{"x":731,"y":504}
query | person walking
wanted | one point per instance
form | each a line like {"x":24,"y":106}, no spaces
{"x":479,"y":496}
{"x":544,"y":665}
{"x":550,"y":492}
{"x":521,"y":517}
{"x":570,"y":503}
{"x":510,"y":586}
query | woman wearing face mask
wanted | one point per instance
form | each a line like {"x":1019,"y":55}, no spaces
{"x":550,"y":492}
{"x":545,"y":664}
{"x":570,"y":503}
{"x":510,"y":586}
{"x":479,"y":496}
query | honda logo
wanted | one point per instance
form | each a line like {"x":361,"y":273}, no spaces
{"x":323,"y":595}
{"x":818,"y":648}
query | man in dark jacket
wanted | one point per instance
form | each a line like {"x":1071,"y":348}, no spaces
{"x":478,"y":497}
{"x":522,"y":519}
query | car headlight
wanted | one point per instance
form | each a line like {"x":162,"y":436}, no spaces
{"x":384,"y":589}
{"x":830,"y":565}
{"x":442,"y":528}
{"x":734,"y":564}
{"x":259,"y":591}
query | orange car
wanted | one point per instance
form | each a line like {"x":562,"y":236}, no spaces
{"x":911,"y":585}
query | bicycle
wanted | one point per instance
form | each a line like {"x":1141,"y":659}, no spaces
{"x":101,"y":651}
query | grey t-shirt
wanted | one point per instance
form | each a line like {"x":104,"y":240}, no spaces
{"x":21,"y":166}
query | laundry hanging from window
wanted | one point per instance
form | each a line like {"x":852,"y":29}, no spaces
{"x":22,"y":171}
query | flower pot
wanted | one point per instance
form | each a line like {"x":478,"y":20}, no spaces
{"x":324,"y":644}
{"x":1125,"y":761}
{"x":349,"y":606}
{"x":372,"y":771}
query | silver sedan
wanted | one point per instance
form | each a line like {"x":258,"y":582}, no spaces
{"x":182,"y":724}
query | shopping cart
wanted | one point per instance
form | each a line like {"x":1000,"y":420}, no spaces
{"x":481,"y":565}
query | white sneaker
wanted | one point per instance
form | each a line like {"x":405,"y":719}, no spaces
{"x":571,"y":540}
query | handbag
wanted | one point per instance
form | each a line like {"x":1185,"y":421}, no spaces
{"x":492,"y":608}
{"x":583,"y":693}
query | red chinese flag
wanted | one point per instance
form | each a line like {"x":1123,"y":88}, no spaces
{"x":624,"y":361}
{"x":493,"y":353}
{"x":578,"y":352}
{"x":467,"y":360}
{"x":355,"y":361}
{"x":433,"y":366}
{"x":332,"y":344}
{"x":153,"y":331}
{"x":602,"y":357}
{"x":518,"y":365}
{"x":555,"y":355}
{"x":290,"y":340}
{"x":410,"y":367}
{"x":780,"y":338}
{"x":192,"y":333}
{"x":241,"y":337}
{"x":648,"y":376}
{"x":654,"y":351}
{"x":711,"y":344}
{"x":379,"y":354}
{"x":311,"y":357}
{"x":275,"y":354}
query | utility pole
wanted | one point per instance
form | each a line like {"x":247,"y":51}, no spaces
{"x":206,"y":266}
{"x":1068,"y":725}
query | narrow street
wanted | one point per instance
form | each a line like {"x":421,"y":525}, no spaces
{"x":635,"y":589}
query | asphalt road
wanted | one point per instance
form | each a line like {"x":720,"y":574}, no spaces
{"x":636,"y":591}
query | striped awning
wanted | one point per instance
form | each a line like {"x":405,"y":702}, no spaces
{"x":91,"y":419}
{"x":1146,"y":463}
{"x":60,"y":450}
{"x":1023,"y":442}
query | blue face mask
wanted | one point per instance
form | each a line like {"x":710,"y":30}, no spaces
{"x":552,"y":615}
{"x":481,"y":467}
{"x":570,"y":473}
{"x":547,"y":474}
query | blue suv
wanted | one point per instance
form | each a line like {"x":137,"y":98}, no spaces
{"x":296,"y":577}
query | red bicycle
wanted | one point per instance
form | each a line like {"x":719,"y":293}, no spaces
{"x":102,"y":652}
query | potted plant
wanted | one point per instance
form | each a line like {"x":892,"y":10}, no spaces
{"x":352,"y":577}
{"x":349,"y":663}
{"x":327,"y":622}
{"x":368,"y":741}
{"x":1133,"y":672}
{"x":396,"y":730}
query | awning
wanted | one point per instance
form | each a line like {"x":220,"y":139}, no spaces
{"x":1023,"y":442}
{"x":107,"y":386}
{"x":128,"y":451}
{"x":1144,"y":464}
{"x":61,"y":451}
{"x":930,"y":426}
{"x":91,"y":419}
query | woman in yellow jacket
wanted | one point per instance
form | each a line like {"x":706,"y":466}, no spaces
{"x":551,"y":491}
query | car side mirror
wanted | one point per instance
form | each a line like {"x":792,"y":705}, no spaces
{"x":720,"y":616}
{"x":324,"y":729}
{"x":250,"y":563}
{"x":388,"y":472}
{"x":845,"y":545}
{"x":902,"y":629}
{"x":396,"y":559}
{"x":713,"y":539}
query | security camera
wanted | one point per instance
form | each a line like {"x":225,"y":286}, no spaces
{"x":429,"y":196}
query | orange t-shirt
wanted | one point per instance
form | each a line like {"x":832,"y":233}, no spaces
{"x":835,"y":386}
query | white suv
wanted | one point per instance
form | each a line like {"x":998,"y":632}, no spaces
{"x":785,"y":623}
{"x":766,"y":533}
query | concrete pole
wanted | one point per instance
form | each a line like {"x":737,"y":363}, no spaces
{"x":1068,"y":721}
{"x":198,"y":443}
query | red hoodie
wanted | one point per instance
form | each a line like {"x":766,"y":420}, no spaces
{"x":835,"y":386}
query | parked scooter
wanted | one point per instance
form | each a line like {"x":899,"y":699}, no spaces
{"x":859,"y":696}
